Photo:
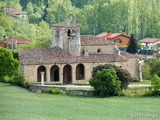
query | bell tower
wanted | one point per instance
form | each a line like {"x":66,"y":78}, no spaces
{"x":66,"y":35}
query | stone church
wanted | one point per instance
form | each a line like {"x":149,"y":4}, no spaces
{"x":72,"y":56}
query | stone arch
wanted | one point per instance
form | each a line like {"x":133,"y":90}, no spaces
{"x":54,"y":73}
{"x":67,"y":74}
{"x":39,"y":70}
{"x":80,"y":72}
{"x":70,"y":18}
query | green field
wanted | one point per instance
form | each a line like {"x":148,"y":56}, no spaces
{"x":19,"y":104}
{"x":144,"y":82}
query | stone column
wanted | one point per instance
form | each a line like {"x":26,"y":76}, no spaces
{"x":42,"y":78}
{"x":73,"y":74}
{"x":48,"y":73}
{"x":61,"y":74}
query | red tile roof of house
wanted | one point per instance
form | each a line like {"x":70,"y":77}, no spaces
{"x":149,"y":40}
{"x":111,"y":35}
{"x":102,"y":35}
{"x":56,"y":55}
{"x":93,"y":40}
{"x":117,"y":34}
{"x":16,"y":40}
{"x":14,"y":11}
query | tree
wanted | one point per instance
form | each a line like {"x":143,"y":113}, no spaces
{"x":132,"y":45}
{"x":105,"y":83}
{"x":9,"y":65}
{"x":123,"y":75}
{"x":155,"y":67}
{"x":146,"y":71}
{"x":155,"y":82}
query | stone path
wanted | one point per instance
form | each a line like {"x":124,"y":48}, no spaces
{"x":88,"y":86}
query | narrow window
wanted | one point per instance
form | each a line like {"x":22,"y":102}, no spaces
{"x":69,"y":33}
{"x":99,"y":50}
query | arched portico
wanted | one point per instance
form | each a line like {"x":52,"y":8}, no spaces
{"x":54,"y":73}
{"x":67,"y":74}
{"x":39,"y":70}
{"x":80,"y":72}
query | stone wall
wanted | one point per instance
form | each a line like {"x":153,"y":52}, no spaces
{"x":38,"y":88}
{"x":108,"y":49}
{"x":80,"y":92}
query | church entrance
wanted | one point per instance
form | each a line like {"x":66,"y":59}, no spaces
{"x":39,"y":70}
{"x":54,"y":73}
{"x":67,"y":74}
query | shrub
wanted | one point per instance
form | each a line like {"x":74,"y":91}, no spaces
{"x":52,"y":91}
{"x":19,"y":80}
{"x":5,"y":79}
{"x":123,"y":75}
{"x":155,"y":82}
{"x":122,"y":93}
{"x":105,"y":83}
{"x":147,"y":93}
{"x":151,"y":93}
{"x":68,"y":92}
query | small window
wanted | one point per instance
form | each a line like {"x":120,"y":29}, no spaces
{"x":69,"y":33}
{"x":99,"y":50}
{"x":118,"y":41}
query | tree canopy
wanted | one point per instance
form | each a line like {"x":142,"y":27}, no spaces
{"x":123,"y":75}
{"x":9,"y":65}
{"x":140,"y":17}
{"x":105,"y":83}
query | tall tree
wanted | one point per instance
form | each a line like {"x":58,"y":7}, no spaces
{"x":132,"y":45}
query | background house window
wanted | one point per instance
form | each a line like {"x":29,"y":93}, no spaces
{"x":118,"y":41}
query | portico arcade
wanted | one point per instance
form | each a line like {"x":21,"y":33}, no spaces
{"x":62,"y":73}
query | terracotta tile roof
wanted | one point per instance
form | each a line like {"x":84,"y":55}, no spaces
{"x":117,"y":34}
{"x":104,"y":34}
{"x":110,"y":35}
{"x":56,"y":55}
{"x":127,"y":55}
{"x":93,"y":40}
{"x":16,"y":40}
{"x":14,"y":11}
{"x":149,"y":40}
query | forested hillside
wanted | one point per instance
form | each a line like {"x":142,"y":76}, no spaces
{"x":140,"y":17}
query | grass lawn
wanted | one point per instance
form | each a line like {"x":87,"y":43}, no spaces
{"x":19,"y":104}
{"x":144,"y":82}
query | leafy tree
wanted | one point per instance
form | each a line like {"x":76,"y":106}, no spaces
{"x":132,"y":45}
{"x":29,"y":8}
{"x":146,"y":72}
{"x":155,"y":67}
{"x":8,"y":64}
{"x":123,"y":75}
{"x":105,"y":83}
{"x":81,"y":3}
{"x":155,"y":82}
